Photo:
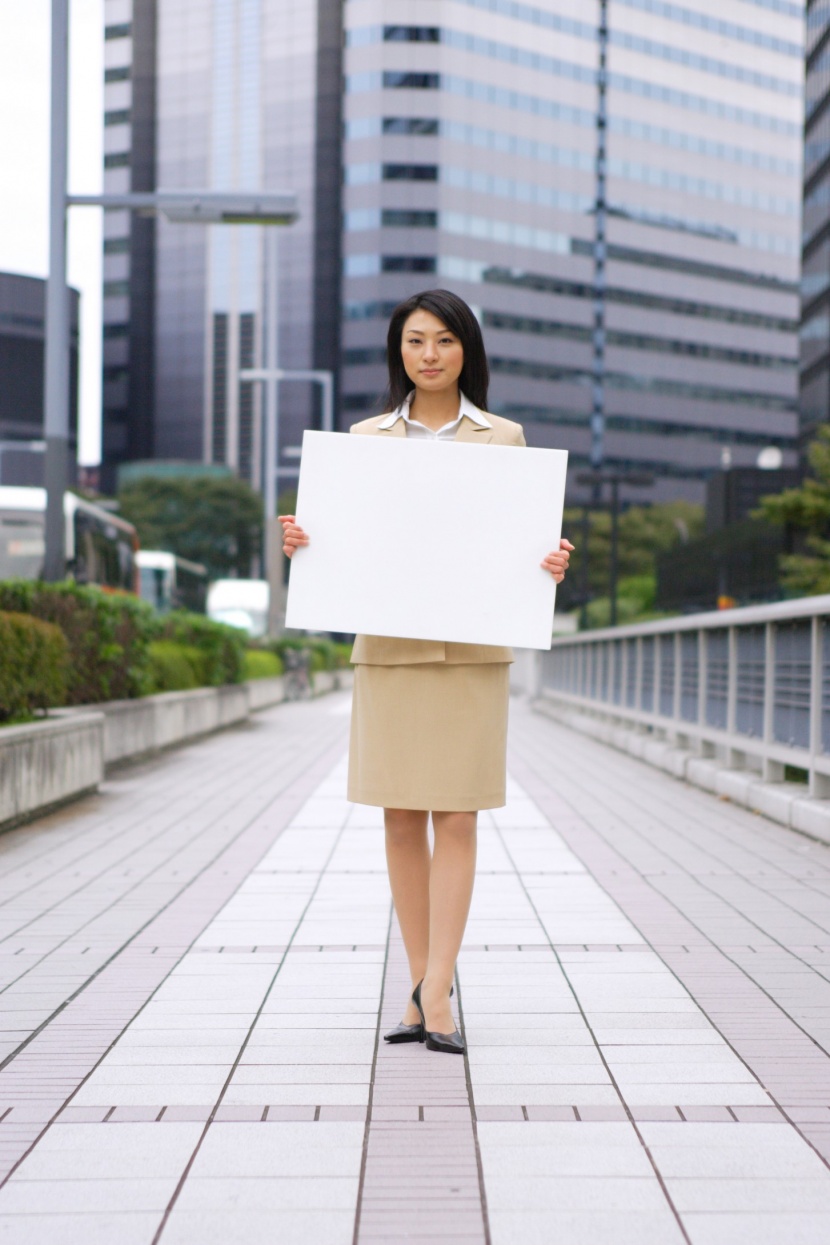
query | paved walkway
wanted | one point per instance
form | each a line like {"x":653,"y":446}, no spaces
{"x":197,"y":964}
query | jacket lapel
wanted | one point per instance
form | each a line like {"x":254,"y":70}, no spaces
{"x":398,"y":429}
{"x":468,"y":430}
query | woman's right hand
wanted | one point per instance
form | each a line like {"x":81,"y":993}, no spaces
{"x":293,"y":536}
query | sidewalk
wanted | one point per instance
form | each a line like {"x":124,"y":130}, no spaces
{"x":198,"y":962}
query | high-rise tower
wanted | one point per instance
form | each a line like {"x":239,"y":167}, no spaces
{"x":470,"y":162}
{"x":217,"y":94}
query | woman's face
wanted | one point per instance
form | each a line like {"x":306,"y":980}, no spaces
{"x":432,"y":355}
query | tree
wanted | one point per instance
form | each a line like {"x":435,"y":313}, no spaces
{"x":644,"y":532}
{"x":806,"y":509}
{"x":213,"y":520}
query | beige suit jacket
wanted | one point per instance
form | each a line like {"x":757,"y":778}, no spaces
{"x":378,"y":650}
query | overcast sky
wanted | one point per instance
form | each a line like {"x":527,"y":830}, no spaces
{"x":24,"y":169}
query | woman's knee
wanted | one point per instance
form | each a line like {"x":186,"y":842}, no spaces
{"x":404,"y":825}
{"x":458,"y":826}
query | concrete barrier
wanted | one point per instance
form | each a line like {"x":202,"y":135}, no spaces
{"x":43,"y":764}
{"x":49,"y":762}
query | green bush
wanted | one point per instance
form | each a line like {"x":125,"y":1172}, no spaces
{"x":262,"y":665}
{"x":222,"y":648}
{"x":323,"y":654}
{"x":108,"y":635}
{"x":33,"y":666}
{"x":175,"y":667}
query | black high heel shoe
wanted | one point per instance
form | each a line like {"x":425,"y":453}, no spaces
{"x":449,"y":1043}
{"x":408,"y":1033}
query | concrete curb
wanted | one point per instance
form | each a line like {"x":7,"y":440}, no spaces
{"x":782,"y":802}
{"x":46,"y":764}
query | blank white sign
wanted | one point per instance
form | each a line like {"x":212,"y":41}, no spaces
{"x":427,"y":540}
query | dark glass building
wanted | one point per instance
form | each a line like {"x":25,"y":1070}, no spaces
{"x":22,"y":308}
{"x":815,"y":279}
{"x":217,"y":94}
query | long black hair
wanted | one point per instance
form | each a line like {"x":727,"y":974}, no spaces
{"x":453,"y":312}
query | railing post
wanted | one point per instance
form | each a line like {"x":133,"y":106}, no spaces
{"x":819,"y":783}
{"x":612,"y":662}
{"x":771,"y":771}
{"x":678,"y":671}
{"x":702,"y":681}
{"x":638,"y":684}
{"x":734,"y":757}
{"x":657,"y":666}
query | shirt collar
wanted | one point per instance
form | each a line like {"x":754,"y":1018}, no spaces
{"x":465,"y":408}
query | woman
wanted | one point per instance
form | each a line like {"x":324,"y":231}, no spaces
{"x":429,"y":720}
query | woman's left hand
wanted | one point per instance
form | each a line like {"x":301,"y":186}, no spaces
{"x":557,"y":563}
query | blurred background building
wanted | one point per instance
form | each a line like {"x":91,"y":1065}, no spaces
{"x":22,"y":308}
{"x":469,"y":162}
{"x":815,"y":326}
{"x":463,"y":135}
{"x":241,"y":94}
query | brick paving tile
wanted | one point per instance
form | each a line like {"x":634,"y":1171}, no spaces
{"x":644,"y":970}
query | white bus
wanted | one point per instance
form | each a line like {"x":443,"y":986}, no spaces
{"x":169,"y":582}
{"x":100,"y":547}
{"x":240,"y":603}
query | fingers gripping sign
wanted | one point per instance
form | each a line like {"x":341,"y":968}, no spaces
{"x":557,"y":562}
{"x":293,"y":535}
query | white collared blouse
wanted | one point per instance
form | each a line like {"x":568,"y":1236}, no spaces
{"x":447,"y":433}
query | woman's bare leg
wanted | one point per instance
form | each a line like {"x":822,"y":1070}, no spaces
{"x":408,"y":861}
{"x":450,"y":892}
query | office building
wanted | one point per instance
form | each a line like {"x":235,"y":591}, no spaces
{"x":217,"y":94}
{"x":456,"y":144}
{"x":815,"y":281}
{"x":469,"y":162}
{"x":22,"y":312}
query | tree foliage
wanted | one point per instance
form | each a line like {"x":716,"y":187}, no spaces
{"x":644,"y":531}
{"x":215,"y":521}
{"x":806,"y":509}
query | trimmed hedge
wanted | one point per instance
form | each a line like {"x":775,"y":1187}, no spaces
{"x":175,"y":667}
{"x":108,"y":636}
{"x":262,"y":665}
{"x":222,"y":648}
{"x":323,"y":654}
{"x":33,"y":666}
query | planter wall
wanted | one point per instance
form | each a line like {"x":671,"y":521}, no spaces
{"x":45,"y":763}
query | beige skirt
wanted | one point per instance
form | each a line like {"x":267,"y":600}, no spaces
{"x":429,"y":736}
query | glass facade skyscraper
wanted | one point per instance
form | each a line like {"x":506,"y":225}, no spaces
{"x":470,"y":138}
{"x":815,"y":280}
{"x":453,"y":143}
{"x":217,"y":94}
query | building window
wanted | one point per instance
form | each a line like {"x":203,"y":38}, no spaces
{"x":117,"y":160}
{"x":120,"y":74}
{"x":116,"y":330}
{"x":397,"y":81}
{"x":410,"y":125}
{"x":408,"y":263}
{"x":246,"y":396}
{"x":116,"y":246}
{"x":411,"y":34}
{"x":410,"y":172}
{"x":408,"y":218}
{"x":122,"y":31}
{"x":116,"y":289}
{"x":118,"y":116}
{"x":220,"y":386}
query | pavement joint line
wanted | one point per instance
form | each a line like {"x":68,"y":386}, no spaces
{"x":712,"y":947}
{"x":364,"y":1153}
{"x":329,"y":753}
{"x":189,"y":1165}
{"x":609,"y":1071}
{"x":471,"y":1098}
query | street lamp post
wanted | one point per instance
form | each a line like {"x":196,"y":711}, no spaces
{"x":207,"y":207}
{"x":270,"y":452}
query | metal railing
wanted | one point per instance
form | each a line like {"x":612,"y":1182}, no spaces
{"x":750,"y":687}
